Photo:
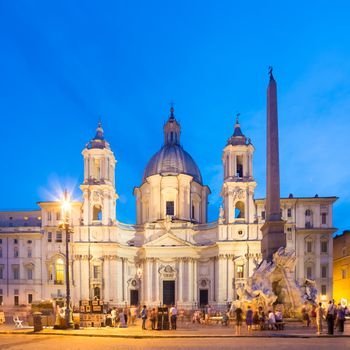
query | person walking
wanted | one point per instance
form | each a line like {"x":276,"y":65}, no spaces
{"x":319,"y":318}
{"x":330,"y":317}
{"x":144,"y":317}
{"x":271,"y":320}
{"x":249,"y":319}
{"x":239,"y":320}
{"x":173,"y":317}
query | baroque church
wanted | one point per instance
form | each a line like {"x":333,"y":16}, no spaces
{"x":172,"y":254}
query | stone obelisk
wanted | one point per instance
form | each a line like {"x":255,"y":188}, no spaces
{"x":273,"y":228}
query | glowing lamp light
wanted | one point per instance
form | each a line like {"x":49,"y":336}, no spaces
{"x":66,"y":204}
{"x":323,"y":297}
{"x":344,"y":302}
{"x":139,"y":272}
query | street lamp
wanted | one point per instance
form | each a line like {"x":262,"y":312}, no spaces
{"x":65,"y":225}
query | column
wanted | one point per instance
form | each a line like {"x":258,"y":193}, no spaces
{"x":195,"y":280}
{"x":125,"y":278}
{"x":156,"y":272}
{"x":190,"y":280}
{"x":85,"y":288}
{"x":212,"y":279}
{"x":106,"y":279}
{"x":180,"y":281}
{"x":149,"y":280}
{"x":117,"y":270}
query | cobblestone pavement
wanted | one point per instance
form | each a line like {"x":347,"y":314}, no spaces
{"x":45,"y":342}
{"x":185,"y":330}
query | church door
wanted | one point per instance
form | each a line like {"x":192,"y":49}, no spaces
{"x":134,"y":297}
{"x":168,"y":292}
{"x":203,"y":297}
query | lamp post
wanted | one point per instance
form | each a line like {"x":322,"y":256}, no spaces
{"x":66,"y":208}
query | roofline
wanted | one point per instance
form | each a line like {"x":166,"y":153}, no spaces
{"x":301,"y":198}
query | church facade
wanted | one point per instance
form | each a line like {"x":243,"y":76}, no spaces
{"x":172,"y":254}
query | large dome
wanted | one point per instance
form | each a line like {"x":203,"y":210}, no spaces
{"x":172,"y":159}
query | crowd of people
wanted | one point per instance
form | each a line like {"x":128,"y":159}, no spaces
{"x":127,"y":316}
{"x":316,"y":316}
{"x":333,"y":315}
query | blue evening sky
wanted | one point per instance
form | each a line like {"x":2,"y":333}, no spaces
{"x":65,"y":63}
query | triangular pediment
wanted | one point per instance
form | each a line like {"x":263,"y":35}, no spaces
{"x":168,"y":240}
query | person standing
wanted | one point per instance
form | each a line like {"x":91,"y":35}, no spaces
{"x":133,"y":314}
{"x":153,"y":318}
{"x":340,"y":318}
{"x":249,"y":318}
{"x":330,"y":317}
{"x":173,"y":317}
{"x":319,"y":318}
{"x":114,"y":317}
{"x":271,"y":320}
{"x":144,"y":316}
{"x":239,"y":320}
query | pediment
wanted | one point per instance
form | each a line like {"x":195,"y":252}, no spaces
{"x":168,"y":240}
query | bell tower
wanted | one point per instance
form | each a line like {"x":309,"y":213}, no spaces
{"x":238,"y":187}
{"x":99,"y":203}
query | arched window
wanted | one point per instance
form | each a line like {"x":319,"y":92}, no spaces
{"x":239,"y":166}
{"x":239,"y":210}
{"x":97,"y":213}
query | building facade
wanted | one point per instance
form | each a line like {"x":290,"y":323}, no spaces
{"x":341,"y":268}
{"x":172,"y":254}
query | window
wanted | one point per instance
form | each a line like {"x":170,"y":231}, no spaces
{"x":1,"y":297}
{"x":0,"y":240}
{"x":239,"y":271}
{"x":0,"y":252}
{"x":15,"y":241}
{"x":309,"y":247}
{"x":49,"y":237}
{"x":192,"y":211}
{"x":16,"y":300}
{"x":58,"y":215}
{"x":289,"y":212}
{"x":309,"y":272}
{"x":343,"y":273}
{"x":29,"y":274}
{"x":15,"y":252}
{"x":97,"y":213}
{"x":29,"y":241}
{"x":324,"y":247}
{"x":324,"y":271}
{"x":324,"y":218}
{"x":308,"y":219}
{"x":239,"y":169}
{"x":289,"y":229}
{"x":59,"y":268}
{"x":15,"y":292}
{"x":344,"y":251}
{"x":49,"y":216}
{"x":15,"y":271}
{"x":97,"y":272}
{"x":323,"y":289}
{"x":263,"y":215}
{"x":58,"y":236}
{"x":1,"y":272}
{"x":169,"y":208}
{"x":30,"y":298}
{"x":29,"y":252}
{"x":239,"y":210}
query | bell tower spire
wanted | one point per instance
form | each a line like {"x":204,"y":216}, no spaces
{"x":238,"y":187}
{"x":99,"y":181}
